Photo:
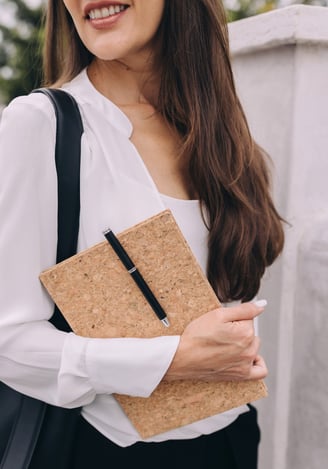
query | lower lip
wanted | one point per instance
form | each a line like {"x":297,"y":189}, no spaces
{"x":105,"y":23}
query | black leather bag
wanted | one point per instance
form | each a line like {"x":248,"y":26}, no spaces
{"x":33,"y":434}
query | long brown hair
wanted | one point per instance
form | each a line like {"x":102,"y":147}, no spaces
{"x":227,"y":169}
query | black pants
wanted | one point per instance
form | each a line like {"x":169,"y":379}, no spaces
{"x":234,"y":447}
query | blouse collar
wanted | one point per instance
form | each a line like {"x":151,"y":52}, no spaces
{"x":85,"y":92}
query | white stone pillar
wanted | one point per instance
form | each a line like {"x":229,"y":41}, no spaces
{"x":280,"y":61}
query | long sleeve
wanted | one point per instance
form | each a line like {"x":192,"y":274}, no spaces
{"x":35,"y":358}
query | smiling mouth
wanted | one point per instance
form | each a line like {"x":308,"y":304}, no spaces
{"x":106,"y":12}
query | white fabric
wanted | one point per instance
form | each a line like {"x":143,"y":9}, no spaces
{"x":116,"y":191}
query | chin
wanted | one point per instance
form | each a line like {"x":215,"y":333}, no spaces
{"x":106,"y":53}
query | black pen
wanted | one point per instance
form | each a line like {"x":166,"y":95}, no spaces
{"x":136,"y":275}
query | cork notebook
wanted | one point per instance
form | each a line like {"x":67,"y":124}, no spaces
{"x":98,"y":298}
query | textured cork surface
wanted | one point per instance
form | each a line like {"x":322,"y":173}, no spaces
{"x":98,"y":298}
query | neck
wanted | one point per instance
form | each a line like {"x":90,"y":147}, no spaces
{"x":124,"y":82}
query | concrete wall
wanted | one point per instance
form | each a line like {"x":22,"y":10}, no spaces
{"x":280,"y":62}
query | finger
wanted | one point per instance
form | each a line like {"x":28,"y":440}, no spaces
{"x":259,"y":369}
{"x":242,"y":312}
{"x":255,"y":348}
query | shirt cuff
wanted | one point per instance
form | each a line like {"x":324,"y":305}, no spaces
{"x":129,"y":366}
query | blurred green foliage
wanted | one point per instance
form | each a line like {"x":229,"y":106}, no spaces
{"x":245,"y":8}
{"x":20,"y":49}
{"x":240,"y":9}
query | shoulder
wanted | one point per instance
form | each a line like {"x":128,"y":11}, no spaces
{"x":28,"y":134}
{"x":29,"y":113}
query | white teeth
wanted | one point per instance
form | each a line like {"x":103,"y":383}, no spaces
{"x":99,"y":13}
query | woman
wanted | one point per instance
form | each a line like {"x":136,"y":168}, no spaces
{"x":163,"y":129}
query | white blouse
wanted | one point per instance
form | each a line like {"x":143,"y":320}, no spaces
{"x":116,"y":190}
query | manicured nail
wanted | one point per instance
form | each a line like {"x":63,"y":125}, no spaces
{"x":261,"y":303}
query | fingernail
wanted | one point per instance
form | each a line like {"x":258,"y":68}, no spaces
{"x":261,"y":303}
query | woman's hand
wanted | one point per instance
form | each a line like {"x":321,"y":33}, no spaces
{"x":220,"y":346}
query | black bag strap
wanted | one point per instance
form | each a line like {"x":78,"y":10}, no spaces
{"x":68,"y":152}
{"x":30,"y":417}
